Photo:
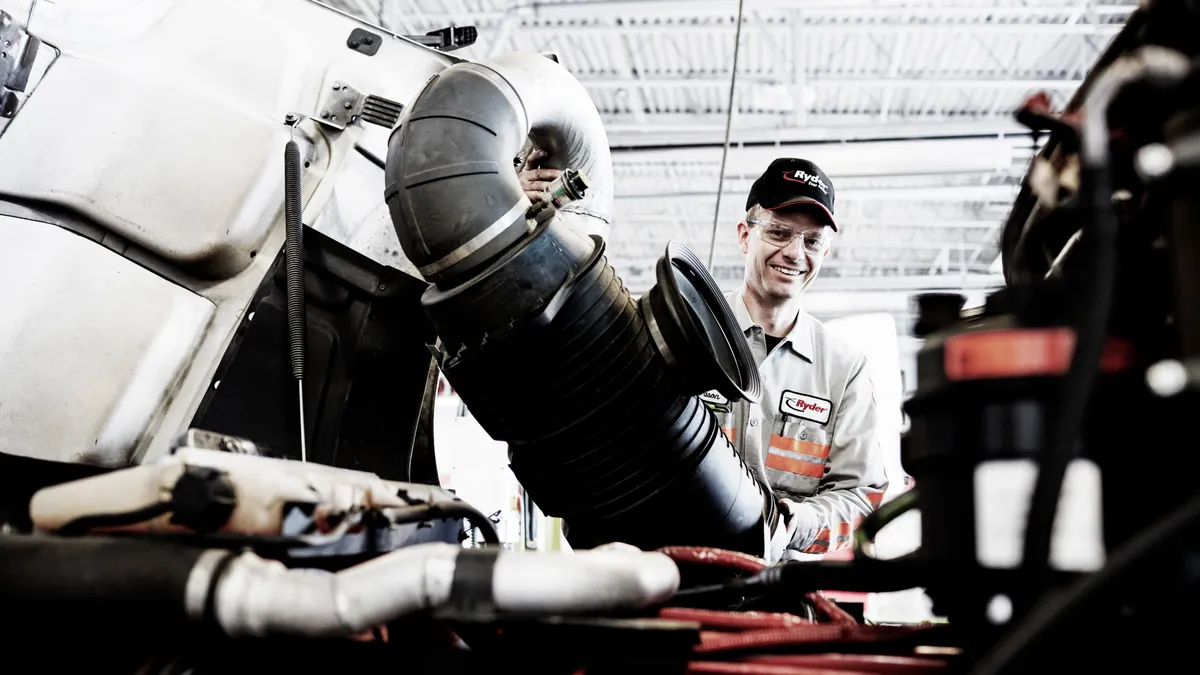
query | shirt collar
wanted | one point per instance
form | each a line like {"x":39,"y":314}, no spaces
{"x":799,"y":339}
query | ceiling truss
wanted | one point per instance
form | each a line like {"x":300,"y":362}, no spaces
{"x":908,"y":106}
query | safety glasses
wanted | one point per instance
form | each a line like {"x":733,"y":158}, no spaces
{"x":813,"y":241}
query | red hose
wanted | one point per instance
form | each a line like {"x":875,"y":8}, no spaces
{"x":740,"y":638}
{"x":715,"y":557}
{"x":874,"y":663}
{"x":714,"y":619}
{"x":712,"y":642}
{"x":813,"y":634}
{"x":836,"y":614}
{"x":736,"y":668}
{"x":822,"y":664}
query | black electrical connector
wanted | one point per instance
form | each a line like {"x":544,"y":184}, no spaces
{"x":202,"y":499}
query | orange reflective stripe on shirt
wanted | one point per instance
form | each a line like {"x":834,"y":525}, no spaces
{"x":797,"y":456}
{"x":799,"y":447}
{"x":731,"y":433}
{"x":825,"y":543}
{"x":783,"y":461}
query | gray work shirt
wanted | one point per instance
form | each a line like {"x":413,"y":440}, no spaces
{"x":812,"y":436}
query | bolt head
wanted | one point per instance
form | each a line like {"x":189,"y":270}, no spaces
{"x":347,"y":105}
{"x":325,"y":115}
{"x":354,"y":44}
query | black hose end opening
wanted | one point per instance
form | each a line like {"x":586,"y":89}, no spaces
{"x":695,"y":330}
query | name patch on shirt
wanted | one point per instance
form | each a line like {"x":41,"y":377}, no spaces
{"x":805,"y":406}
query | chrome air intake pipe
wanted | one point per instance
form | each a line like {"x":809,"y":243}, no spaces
{"x":595,"y":394}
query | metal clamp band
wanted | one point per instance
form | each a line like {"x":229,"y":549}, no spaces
{"x":478,"y":241}
{"x":655,"y":332}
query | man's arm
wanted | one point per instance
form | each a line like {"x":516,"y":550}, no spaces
{"x":856,"y":481}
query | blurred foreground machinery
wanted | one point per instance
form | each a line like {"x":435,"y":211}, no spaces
{"x":277,"y":245}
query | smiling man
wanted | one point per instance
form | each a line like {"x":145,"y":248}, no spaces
{"x":812,"y":436}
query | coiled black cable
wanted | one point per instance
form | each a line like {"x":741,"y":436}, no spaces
{"x":294,"y":247}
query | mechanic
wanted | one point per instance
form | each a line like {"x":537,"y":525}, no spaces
{"x":812,"y":436}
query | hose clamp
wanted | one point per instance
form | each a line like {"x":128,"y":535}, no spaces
{"x":500,"y":226}
{"x":198,"y":593}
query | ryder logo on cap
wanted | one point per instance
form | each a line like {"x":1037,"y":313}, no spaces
{"x":812,"y":179}
{"x":794,"y":182}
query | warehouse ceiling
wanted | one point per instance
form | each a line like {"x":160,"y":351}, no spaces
{"x":906,"y":105}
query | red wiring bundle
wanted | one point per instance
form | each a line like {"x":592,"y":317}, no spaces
{"x":759,"y":643}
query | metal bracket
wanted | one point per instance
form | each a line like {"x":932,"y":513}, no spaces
{"x":208,"y":440}
{"x":23,"y":63}
{"x":343,"y":105}
{"x":18,"y":49}
{"x":364,"y":41}
{"x":447,"y":39}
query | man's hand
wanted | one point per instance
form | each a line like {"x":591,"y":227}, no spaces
{"x":535,"y":180}
{"x":784,"y":532}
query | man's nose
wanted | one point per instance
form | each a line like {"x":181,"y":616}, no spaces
{"x":795,"y":249}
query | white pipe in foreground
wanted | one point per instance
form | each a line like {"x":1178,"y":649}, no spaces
{"x":258,"y":597}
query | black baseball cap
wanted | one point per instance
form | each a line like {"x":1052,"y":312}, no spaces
{"x":790,"y":181}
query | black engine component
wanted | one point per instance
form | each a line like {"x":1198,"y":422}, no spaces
{"x":1101,"y":287}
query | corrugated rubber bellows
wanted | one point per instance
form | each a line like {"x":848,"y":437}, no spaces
{"x":601,"y":430}
{"x":695,"y":331}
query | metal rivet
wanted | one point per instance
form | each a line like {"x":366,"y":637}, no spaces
{"x":368,"y":40}
{"x":347,"y":105}
{"x":325,"y":115}
{"x":383,"y":287}
{"x":354,"y":43}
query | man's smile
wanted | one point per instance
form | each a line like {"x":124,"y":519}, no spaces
{"x":788,"y":271}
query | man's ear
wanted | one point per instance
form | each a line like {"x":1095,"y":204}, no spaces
{"x":743,"y":235}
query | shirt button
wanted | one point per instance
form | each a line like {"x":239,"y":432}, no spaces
{"x":753,"y":422}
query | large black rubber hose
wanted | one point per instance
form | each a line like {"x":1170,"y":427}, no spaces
{"x":91,"y":582}
{"x":600,"y":430}
{"x":294,"y":254}
{"x":546,"y":346}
